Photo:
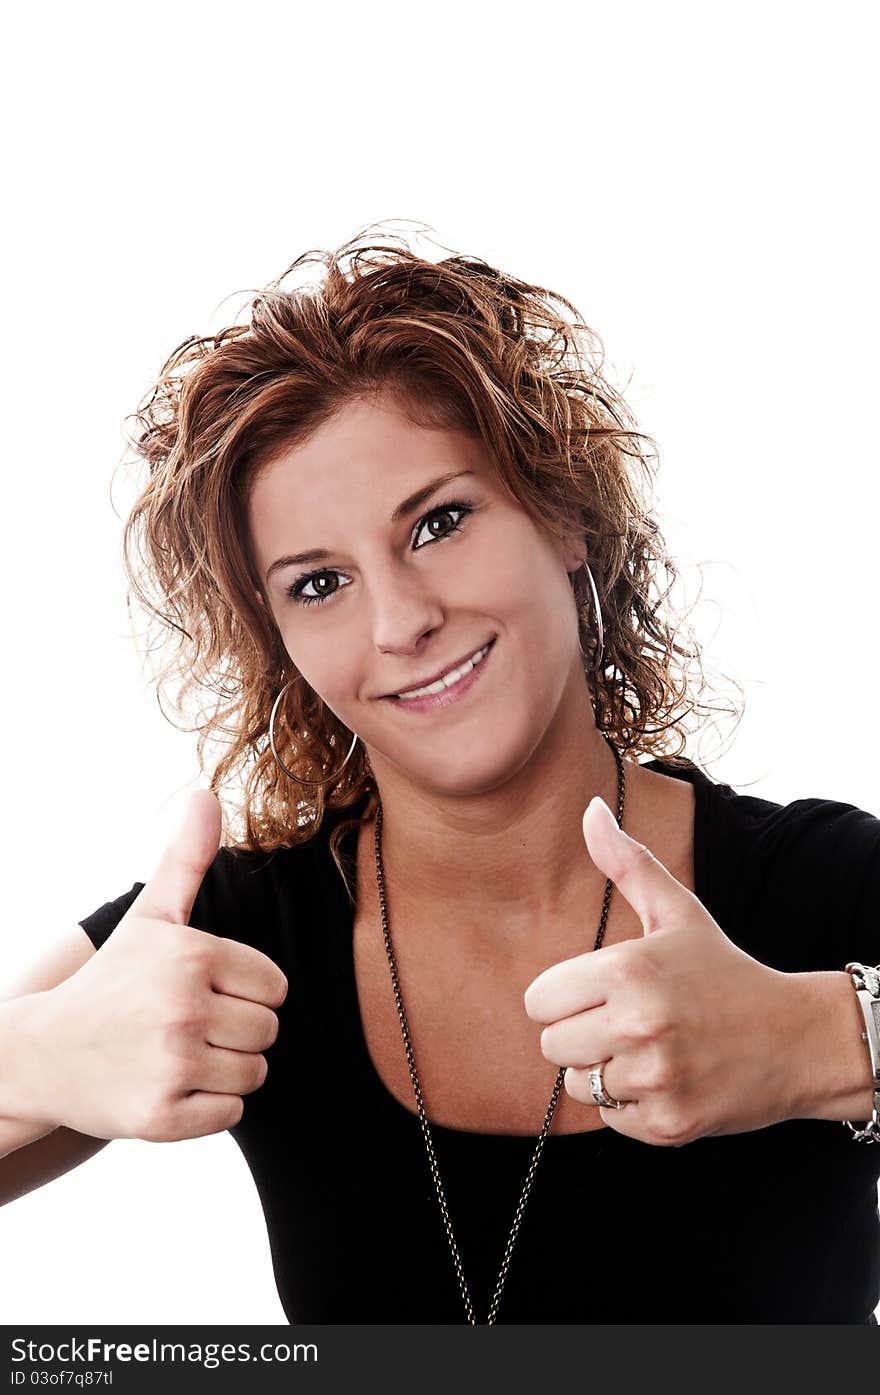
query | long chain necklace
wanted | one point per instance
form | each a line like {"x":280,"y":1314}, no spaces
{"x":426,"y":1130}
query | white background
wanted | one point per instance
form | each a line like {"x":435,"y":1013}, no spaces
{"x":699,"y":180}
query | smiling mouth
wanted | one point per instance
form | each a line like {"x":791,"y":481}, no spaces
{"x":449,"y":680}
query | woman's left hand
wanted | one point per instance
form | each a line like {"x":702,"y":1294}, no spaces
{"x":699,"y":1038}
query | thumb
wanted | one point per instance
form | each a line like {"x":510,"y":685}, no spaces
{"x":172,"y":889}
{"x":648,"y":886}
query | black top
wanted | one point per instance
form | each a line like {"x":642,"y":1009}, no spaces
{"x":779,"y":1225}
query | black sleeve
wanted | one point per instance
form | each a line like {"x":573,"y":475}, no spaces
{"x":795,"y":885}
{"x":832,"y":873}
{"x":231,"y":901}
{"x":863,"y":829}
{"x":102,"y":922}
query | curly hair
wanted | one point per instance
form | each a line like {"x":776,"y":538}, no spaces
{"x":461,"y":345}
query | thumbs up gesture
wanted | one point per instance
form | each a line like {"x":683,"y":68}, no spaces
{"x":160,"y":1034}
{"x":697,"y":1038}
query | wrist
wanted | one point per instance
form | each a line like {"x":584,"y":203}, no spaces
{"x":835,"y":1076}
{"x":23,"y":1033}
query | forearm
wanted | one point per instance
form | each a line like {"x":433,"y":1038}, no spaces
{"x":835,"y":1079}
{"x":20,"y":1118}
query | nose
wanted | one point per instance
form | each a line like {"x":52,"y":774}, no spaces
{"x":404,"y":609}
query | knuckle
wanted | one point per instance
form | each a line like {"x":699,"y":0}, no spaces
{"x":655,"y":1073}
{"x":187,"y":1011}
{"x":632,"y":967}
{"x":155,"y":1125}
{"x":655,"y":1026}
{"x":177,"y":1075}
{"x":259,"y":1072}
{"x":168,"y":1031}
{"x":672,"y":1130}
{"x":645,"y":1018}
{"x":641,"y":1024}
{"x":639,"y":967}
{"x":634,"y":1029}
{"x":193,"y":958}
{"x":181,"y":1026}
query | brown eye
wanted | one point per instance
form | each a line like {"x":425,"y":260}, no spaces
{"x":450,"y":508}
{"x":297,"y":593}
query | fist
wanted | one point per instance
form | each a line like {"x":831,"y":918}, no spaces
{"x":695,"y":1037}
{"x":160,"y":1034}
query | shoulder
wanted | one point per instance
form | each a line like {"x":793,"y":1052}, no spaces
{"x":663,"y":817}
{"x":261,"y":897}
{"x":768,"y":831}
{"x":796,"y":883}
{"x":279,"y":901}
{"x":812,"y":864}
{"x":254,"y":897}
{"x":814,"y":833}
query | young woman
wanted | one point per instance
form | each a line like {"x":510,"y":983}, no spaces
{"x":509,"y":1025}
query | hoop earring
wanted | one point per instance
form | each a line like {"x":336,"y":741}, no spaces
{"x":600,"y":648}
{"x":280,"y":762}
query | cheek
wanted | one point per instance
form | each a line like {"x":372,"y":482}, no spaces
{"x":508,"y":585}
{"x":532,"y":586}
{"x":330,"y":669}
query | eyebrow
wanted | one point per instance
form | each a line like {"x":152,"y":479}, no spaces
{"x":403,"y":510}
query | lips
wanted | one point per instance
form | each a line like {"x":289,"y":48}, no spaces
{"x":456,"y":663}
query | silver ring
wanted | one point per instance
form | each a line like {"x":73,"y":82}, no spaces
{"x":597,"y":1089}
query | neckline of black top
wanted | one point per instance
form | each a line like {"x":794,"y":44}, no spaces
{"x":367,"y":1077}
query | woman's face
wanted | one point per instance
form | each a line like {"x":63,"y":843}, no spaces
{"x":393,"y":600}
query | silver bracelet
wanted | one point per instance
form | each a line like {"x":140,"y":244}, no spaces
{"x":866,"y":981}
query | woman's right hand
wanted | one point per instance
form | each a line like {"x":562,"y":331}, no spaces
{"x":160,"y":1034}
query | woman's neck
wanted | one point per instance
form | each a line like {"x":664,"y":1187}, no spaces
{"x":513,"y":857}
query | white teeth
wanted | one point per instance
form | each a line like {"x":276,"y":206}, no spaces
{"x":449,"y":679}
